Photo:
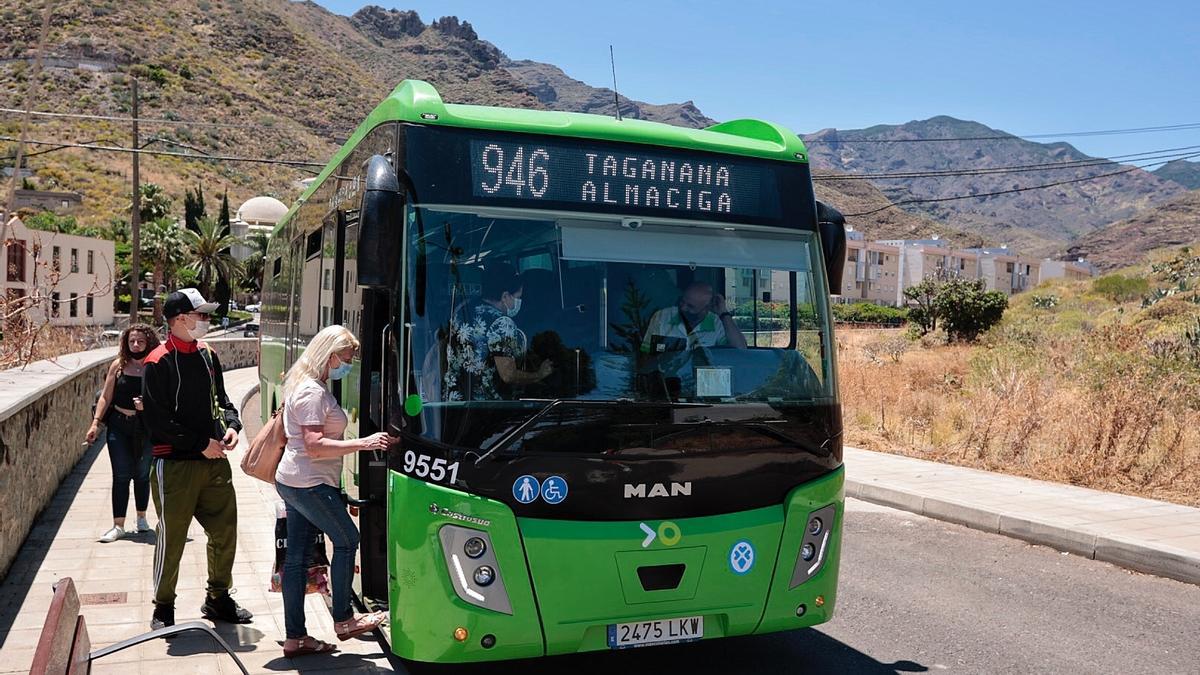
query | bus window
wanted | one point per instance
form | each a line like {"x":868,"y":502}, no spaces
{"x":679,"y":313}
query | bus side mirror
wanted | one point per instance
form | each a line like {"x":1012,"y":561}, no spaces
{"x":832,"y":227}
{"x":380,"y":225}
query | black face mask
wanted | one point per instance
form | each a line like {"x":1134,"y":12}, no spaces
{"x":138,"y":355}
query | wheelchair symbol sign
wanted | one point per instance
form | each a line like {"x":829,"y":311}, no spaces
{"x":554,"y":490}
{"x":741,"y":557}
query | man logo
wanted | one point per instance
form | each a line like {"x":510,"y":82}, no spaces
{"x":639,"y":491}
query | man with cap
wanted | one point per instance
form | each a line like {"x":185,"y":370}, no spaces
{"x":192,"y":425}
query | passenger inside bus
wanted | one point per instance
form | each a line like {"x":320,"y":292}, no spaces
{"x":486,"y":344}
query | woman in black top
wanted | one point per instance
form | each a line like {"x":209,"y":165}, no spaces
{"x":128,"y":444}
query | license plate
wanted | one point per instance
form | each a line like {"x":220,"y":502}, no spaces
{"x":660,"y":632}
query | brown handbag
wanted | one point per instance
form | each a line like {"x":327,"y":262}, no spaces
{"x":262,"y":457}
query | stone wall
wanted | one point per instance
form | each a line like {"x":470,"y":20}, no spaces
{"x":45,"y":410}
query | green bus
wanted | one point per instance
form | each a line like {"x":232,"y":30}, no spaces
{"x":675,"y":472}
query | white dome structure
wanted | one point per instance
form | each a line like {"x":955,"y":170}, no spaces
{"x":261,"y":211}
{"x":258,"y":215}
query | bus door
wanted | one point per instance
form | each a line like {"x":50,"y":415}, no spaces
{"x":377,"y":367}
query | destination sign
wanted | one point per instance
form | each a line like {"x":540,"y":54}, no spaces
{"x":595,"y":175}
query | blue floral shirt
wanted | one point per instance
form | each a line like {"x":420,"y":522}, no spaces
{"x":474,"y":342}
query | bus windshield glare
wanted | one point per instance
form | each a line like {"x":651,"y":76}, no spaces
{"x":710,"y":321}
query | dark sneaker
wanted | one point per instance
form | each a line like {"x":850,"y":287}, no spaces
{"x":225,"y":609}
{"x":164,"y":615}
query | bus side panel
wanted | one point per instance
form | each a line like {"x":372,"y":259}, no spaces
{"x":425,"y":609}
{"x":588,"y":575}
{"x":782,"y":604}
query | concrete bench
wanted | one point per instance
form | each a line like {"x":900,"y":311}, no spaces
{"x":65,"y":648}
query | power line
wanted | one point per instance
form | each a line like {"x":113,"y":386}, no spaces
{"x":998,"y":192}
{"x":166,"y":153}
{"x":1153,"y":156}
{"x":1012,"y":137}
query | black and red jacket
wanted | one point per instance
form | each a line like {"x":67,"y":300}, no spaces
{"x":183,"y":393}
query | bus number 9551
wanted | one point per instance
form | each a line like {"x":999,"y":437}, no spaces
{"x":435,"y":469}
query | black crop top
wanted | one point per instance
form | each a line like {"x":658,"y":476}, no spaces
{"x":126,"y":388}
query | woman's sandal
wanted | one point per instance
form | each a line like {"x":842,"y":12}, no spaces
{"x":363,"y":623}
{"x":309,"y":645}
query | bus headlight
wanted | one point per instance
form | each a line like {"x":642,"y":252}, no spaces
{"x":807,"y":551}
{"x":474,"y":572}
{"x":474,"y":548}
{"x":814,"y":546}
{"x":484,"y":576}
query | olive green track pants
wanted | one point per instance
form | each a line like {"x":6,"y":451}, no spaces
{"x":186,"y":489}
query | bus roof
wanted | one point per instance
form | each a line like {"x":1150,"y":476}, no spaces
{"x":419,"y":102}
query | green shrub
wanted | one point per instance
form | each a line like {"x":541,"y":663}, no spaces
{"x":869,"y":312}
{"x":1120,"y":288}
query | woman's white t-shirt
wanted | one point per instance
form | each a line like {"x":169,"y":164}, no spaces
{"x":310,"y":405}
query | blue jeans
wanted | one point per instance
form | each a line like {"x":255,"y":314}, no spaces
{"x":309,"y":510}
{"x":129,"y":462}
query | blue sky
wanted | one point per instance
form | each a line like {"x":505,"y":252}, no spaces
{"x":1024,"y":67}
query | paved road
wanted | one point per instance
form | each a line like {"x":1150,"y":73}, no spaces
{"x":920,"y":595}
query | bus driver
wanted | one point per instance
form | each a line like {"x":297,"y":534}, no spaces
{"x":701,"y":319}
{"x":485,"y":343}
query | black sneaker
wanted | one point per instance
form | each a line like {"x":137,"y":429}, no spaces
{"x":225,"y":609}
{"x":164,"y":615}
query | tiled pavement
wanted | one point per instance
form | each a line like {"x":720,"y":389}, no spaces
{"x":63,"y":543}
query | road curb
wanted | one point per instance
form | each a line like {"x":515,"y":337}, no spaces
{"x":250,"y":393}
{"x":1160,"y":560}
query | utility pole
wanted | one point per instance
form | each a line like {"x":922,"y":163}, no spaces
{"x":135,"y":218}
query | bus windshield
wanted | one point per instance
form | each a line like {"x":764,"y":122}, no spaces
{"x":520,"y":318}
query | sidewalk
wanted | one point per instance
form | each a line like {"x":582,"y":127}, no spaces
{"x":1140,"y":534}
{"x":114,"y":581}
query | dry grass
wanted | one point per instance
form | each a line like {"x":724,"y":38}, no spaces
{"x":23,"y":345}
{"x":1109,"y":408}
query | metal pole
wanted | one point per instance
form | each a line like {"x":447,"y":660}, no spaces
{"x":135,"y":221}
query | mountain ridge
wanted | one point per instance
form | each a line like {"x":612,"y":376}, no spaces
{"x":1038,"y":221}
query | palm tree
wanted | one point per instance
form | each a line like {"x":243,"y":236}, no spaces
{"x":163,"y":246}
{"x":155,"y":202}
{"x":211,"y":258}
{"x":252,"y":266}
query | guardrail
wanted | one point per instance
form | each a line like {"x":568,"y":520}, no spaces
{"x":45,"y":410}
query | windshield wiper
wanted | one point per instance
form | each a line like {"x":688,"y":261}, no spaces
{"x":551,"y":404}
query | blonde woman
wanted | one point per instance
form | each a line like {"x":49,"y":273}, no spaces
{"x":308,"y":481}
{"x":129,"y":448}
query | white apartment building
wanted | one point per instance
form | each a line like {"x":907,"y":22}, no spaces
{"x":880,"y":271}
{"x":68,"y":278}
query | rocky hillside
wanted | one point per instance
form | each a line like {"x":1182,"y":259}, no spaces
{"x":558,"y":91}
{"x":1181,"y":171}
{"x":271,"y":78}
{"x":1126,"y":242}
{"x":288,"y":80}
{"x":1036,"y":221}
{"x":276,"y":79}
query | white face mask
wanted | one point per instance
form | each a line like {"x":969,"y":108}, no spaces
{"x":199,"y":330}
{"x":512,"y":311}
